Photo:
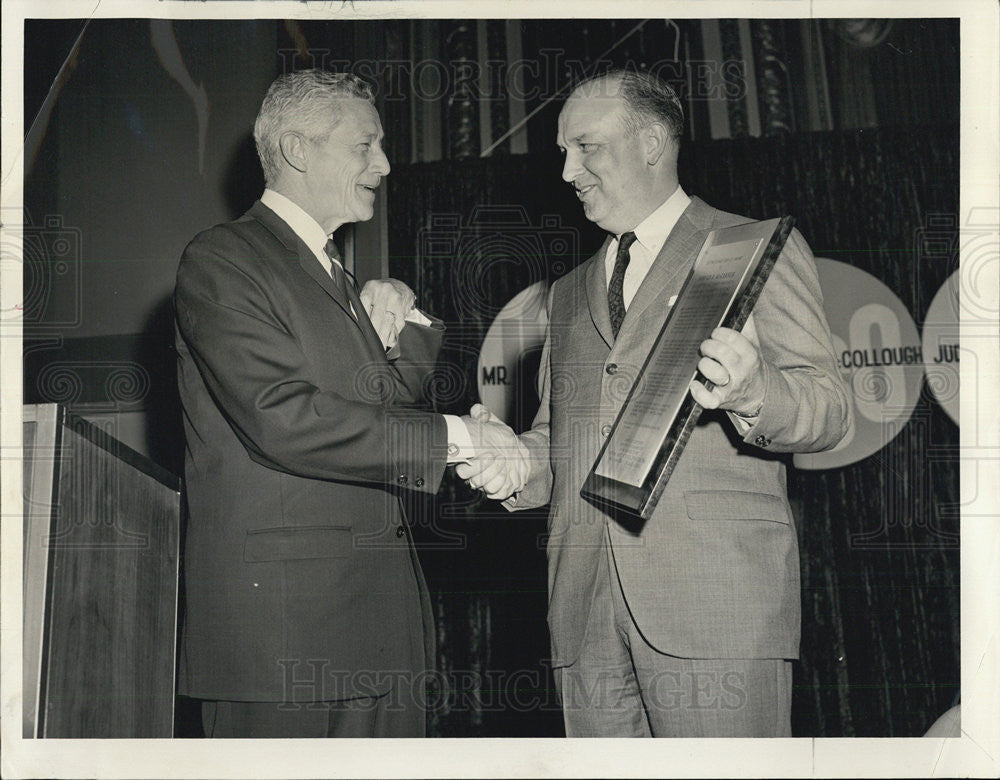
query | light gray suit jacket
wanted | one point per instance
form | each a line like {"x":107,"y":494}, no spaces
{"x":714,"y":573}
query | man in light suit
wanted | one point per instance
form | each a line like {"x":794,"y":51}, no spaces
{"x":684,"y":625}
{"x":306,"y":610}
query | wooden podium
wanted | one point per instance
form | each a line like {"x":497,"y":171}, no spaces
{"x":101,"y":535}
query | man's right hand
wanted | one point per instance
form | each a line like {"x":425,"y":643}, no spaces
{"x":500,"y":467}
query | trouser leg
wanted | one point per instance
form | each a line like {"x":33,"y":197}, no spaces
{"x":690,"y":697}
{"x":599,"y":691}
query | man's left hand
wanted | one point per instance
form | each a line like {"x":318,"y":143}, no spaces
{"x":733,"y":364}
{"x":387,"y":302}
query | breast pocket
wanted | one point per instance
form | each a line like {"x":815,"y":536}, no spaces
{"x":736,"y":505}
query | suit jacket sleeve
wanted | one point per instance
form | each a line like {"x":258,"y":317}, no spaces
{"x":257,"y":374}
{"x":806,"y":404}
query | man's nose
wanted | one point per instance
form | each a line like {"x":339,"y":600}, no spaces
{"x":380,"y":163}
{"x":571,"y":168}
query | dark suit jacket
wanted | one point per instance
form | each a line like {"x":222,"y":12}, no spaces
{"x":714,"y":573}
{"x":301,"y":581}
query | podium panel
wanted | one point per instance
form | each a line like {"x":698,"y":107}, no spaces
{"x":101,"y":536}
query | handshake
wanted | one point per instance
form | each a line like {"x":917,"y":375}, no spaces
{"x":500,"y":466}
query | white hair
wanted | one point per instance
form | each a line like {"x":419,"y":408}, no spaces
{"x":302,"y":100}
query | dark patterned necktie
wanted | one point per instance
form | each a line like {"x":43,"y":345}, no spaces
{"x":616,"y":303}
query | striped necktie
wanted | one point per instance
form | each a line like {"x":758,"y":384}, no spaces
{"x":336,"y":269}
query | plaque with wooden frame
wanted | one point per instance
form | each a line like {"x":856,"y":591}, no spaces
{"x":659,"y":413}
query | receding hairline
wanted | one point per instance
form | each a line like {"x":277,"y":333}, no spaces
{"x":614,"y":79}
{"x":640,"y":103}
{"x":586,"y":90}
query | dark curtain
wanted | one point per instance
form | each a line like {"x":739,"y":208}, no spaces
{"x":879,"y":538}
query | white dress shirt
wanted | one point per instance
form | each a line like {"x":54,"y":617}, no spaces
{"x":650,"y":235}
{"x":304,"y":226}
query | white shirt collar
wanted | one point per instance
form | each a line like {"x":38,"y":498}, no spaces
{"x":652,"y":232}
{"x":305,"y":227}
{"x":650,"y":235}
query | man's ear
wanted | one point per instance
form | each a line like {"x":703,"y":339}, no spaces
{"x":656,"y":142}
{"x":293,"y":149}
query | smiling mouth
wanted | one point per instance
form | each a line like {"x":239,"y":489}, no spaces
{"x":581,"y":191}
{"x":368,"y":187}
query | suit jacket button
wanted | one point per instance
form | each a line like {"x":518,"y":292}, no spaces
{"x":419,"y":482}
{"x":400,"y":531}
{"x":605,"y":429}
{"x":401,"y":480}
{"x":611,"y":369}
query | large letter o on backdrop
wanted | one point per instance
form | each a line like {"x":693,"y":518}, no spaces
{"x":879,"y":355}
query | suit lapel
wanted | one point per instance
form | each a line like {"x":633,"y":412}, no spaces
{"x":311,"y":265}
{"x":673,"y":262}
{"x":597,"y":294}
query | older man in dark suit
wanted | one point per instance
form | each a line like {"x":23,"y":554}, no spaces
{"x":685,"y":625}
{"x":306,"y":610}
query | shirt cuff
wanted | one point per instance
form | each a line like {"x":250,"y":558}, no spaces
{"x":743,"y":424}
{"x":460,"y":446}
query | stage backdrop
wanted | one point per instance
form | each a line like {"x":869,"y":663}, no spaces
{"x":880,"y":555}
{"x":879,"y":537}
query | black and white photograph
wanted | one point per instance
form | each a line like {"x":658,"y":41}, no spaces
{"x":485,"y":377}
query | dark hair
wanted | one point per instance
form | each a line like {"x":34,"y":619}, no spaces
{"x":648,"y":98}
